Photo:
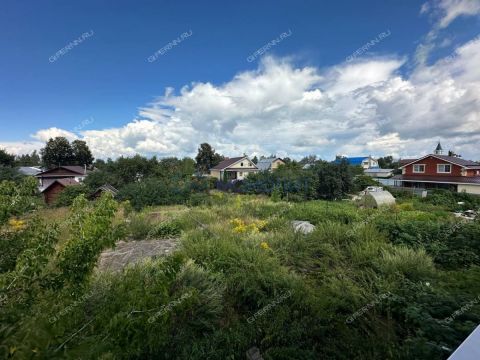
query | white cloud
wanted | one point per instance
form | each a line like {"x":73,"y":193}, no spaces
{"x":355,"y":108}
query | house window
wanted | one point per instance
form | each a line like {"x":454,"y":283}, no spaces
{"x":444,"y":168}
{"x":419,"y":168}
{"x":241,"y":164}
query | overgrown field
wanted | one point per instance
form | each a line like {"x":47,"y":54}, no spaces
{"x":395,"y":283}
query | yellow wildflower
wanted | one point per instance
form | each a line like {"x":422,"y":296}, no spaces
{"x":264,"y":245}
{"x":16,"y":224}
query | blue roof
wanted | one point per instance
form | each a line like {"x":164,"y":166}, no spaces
{"x":351,"y":160}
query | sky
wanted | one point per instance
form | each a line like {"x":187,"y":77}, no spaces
{"x":291,"y":78}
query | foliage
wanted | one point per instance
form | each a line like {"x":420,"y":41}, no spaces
{"x":32,"y":159}
{"x":206,"y":158}
{"x":69,"y":194}
{"x":58,"y":151}
{"x":6,"y":159}
{"x":17,"y":199}
{"x":360,"y":182}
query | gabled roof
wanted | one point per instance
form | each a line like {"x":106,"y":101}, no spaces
{"x":266,"y":164}
{"x":451,"y":159}
{"x":74,"y":169}
{"x":228,"y":162}
{"x":442,"y":179}
{"x":107,"y":187}
{"x":64,"y":182}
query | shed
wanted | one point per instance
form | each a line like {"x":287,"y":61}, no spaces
{"x":51,"y":192}
{"x":104,"y":188}
{"x":377,"y":199}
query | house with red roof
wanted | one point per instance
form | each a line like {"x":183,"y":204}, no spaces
{"x":439,"y":171}
{"x":237,"y":168}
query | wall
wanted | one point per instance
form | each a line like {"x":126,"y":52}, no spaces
{"x":431,"y":168}
{"x":470,"y":189}
{"x":215,"y":174}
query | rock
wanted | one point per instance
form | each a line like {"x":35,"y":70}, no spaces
{"x":303,"y":226}
{"x":133,"y":252}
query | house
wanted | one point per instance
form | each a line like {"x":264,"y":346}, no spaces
{"x":269,"y":164}
{"x":51,"y":191}
{"x":104,"y":188}
{"x":379,"y":173}
{"x":438,"y":171}
{"x":45,"y":178}
{"x":237,"y":168}
{"x":366,"y":162}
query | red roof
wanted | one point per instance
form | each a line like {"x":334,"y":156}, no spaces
{"x":451,"y":159}
{"x":475,"y":180}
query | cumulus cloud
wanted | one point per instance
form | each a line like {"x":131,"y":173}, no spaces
{"x":367,"y":106}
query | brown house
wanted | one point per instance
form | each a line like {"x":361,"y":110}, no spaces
{"x":440,"y":171}
{"x":51,"y":192}
{"x":53,"y":181}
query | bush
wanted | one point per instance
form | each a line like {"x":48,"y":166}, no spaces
{"x":165,"y":230}
{"x":69,"y":194}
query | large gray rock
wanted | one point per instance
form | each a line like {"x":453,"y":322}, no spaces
{"x":303,"y":226}
{"x":131,"y":252}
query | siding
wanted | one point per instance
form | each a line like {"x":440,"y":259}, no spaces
{"x":431,"y":167}
{"x":470,"y":189}
{"x":52,"y":192}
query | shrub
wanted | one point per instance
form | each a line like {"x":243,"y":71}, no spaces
{"x":69,"y":194}
{"x":165,"y":230}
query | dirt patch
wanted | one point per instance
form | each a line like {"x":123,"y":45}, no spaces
{"x":133,"y":252}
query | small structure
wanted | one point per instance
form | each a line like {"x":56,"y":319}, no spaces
{"x":237,"y":168}
{"x":29,"y":170}
{"x":269,"y":164}
{"x":45,"y":178}
{"x":376,"y":199}
{"x":379,"y":173}
{"x":104,"y":188}
{"x":51,"y":192}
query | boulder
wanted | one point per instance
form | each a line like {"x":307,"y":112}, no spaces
{"x":303,"y":226}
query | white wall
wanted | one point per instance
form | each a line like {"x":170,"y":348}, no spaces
{"x":470,"y":189}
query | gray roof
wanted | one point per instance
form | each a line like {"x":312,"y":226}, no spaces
{"x":266,"y":164}
{"x":377,"y":170}
{"x":29,"y":170}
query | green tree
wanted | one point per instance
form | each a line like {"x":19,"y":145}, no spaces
{"x":6,"y":159}
{"x":32,"y":159}
{"x":81,"y":153}
{"x":207,"y":158}
{"x":255,"y":160}
{"x":57,"y":152}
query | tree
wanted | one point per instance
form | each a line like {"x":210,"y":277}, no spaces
{"x":81,"y":153}
{"x":6,"y":159}
{"x":32,"y":159}
{"x":255,"y":160}
{"x":387,"y":162}
{"x":57,"y":152}
{"x":207,"y":158}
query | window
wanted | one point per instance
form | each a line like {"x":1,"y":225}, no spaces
{"x":444,"y":168}
{"x":241,"y":164}
{"x":419,"y":168}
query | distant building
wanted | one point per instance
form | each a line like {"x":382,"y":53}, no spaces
{"x":51,"y":191}
{"x":366,"y":162}
{"x":379,"y":173}
{"x":237,"y":168}
{"x":269,"y":164}
{"x":438,"y":171}
{"x":53,"y":181}
{"x":104,"y":188}
{"x":29,"y":170}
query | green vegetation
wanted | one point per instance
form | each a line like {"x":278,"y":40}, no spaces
{"x":365,"y":284}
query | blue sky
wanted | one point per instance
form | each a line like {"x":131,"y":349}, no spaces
{"x":104,"y":89}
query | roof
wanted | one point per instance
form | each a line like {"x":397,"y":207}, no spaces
{"x":377,"y":170}
{"x":107,"y":187}
{"x":63,"y":182}
{"x":352,"y":160}
{"x":451,"y":159}
{"x":406,"y":161}
{"x":79,"y":170}
{"x":266,"y":164}
{"x":227,"y":162}
{"x":469,"y":349}
{"x":29,"y":170}
{"x":439,"y":147}
{"x":474,"y":180}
